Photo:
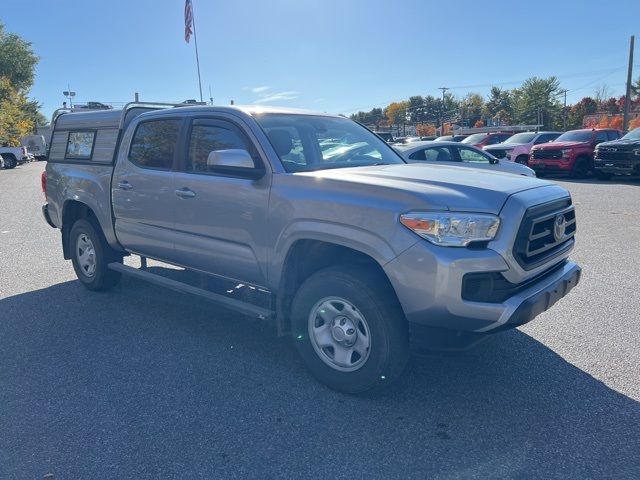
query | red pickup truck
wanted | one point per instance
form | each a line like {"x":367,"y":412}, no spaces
{"x":572,"y":152}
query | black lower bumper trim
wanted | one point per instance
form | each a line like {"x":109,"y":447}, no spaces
{"x":45,"y":214}
{"x":542,"y":301}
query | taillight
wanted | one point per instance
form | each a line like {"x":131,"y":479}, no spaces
{"x":43,"y":183}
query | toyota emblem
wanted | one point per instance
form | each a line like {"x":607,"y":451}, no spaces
{"x":559,"y":227}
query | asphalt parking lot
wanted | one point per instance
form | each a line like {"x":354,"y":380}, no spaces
{"x":144,"y":383}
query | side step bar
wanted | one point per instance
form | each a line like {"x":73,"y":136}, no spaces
{"x":231,"y":303}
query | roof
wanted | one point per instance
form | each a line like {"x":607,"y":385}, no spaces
{"x":248,"y":110}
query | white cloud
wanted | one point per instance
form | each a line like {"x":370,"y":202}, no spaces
{"x":276,"y":97}
{"x":260,"y":89}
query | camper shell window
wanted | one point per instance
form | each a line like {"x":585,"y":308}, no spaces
{"x":80,"y":144}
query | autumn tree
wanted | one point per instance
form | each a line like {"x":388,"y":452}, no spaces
{"x":396,"y":113}
{"x":425,"y":130}
{"x":586,"y":106}
{"x":18,"y":114}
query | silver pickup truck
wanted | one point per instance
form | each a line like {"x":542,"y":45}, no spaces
{"x":362,"y":257}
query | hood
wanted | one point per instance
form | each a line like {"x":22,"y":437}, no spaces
{"x":560,"y":145}
{"x":504,"y":146}
{"x":626,"y":143}
{"x":429,"y":186}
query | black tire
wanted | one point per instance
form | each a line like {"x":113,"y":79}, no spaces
{"x":600,"y":175}
{"x":10,"y":161}
{"x":101,"y":278}
{"x":580,"y":168}
{"x":522,"y":160}
{"x":389,"y":340}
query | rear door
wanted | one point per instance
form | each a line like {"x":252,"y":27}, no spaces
{"x":143,"y":189}
{"x":220,"y":219}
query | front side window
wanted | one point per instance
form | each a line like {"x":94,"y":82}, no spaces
{"x":211,"y":138}
{"x":472,"y":156}
{"x":310,"y":142}
{"x":80,"y":145}
{"x":154,"y":143}
{"x":613,"y":135}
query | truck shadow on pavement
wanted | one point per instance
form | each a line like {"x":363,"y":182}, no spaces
{"x":142,"y":382}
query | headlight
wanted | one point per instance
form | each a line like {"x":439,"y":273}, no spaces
{"x":636,"y":151}
{"x":566,"y":153}
{"x":451,"y":229}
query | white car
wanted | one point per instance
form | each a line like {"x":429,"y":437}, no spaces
{"x":459,"y":154}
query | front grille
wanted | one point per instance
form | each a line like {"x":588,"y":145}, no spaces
{"x":612,"y":153}
{"x":538,"y":240}
{"x":547,"y":154}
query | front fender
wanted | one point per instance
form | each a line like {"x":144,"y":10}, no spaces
{"x":364,"y":241}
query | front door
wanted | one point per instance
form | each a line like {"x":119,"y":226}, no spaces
{"x":220,"y":216}
{"x":143,"y":190}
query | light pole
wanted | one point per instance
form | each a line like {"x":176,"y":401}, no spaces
{"x":444,"y":90}
{"x":69,"y":94}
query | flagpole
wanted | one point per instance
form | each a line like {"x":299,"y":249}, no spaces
{"x":195,"y":41}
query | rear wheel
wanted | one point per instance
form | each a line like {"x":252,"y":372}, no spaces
{"x":91,"y":255}
{"x":10,"y":161}
{"x":580,"y":168}
{"x":349,"y":330}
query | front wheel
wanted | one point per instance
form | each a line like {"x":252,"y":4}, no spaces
{"x":91,"y":255}
{"x":580,"y":168}
{"x":523,"y":160}
{"x":349,"y":329}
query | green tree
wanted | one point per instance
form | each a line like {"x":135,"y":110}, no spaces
{"x":499,"y":106}
{"x":471,"y":108}
{"x":538,"y":96}
{"x":17,"y":60}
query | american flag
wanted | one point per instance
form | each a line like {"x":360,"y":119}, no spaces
{"x":188,"y":20}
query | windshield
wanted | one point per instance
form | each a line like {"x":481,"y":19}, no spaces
{"x":521,"y":138}
{"x":632,"y":135}
{"x":575,"y":136}
{"x":307,"y":142}
{"x":475,"y":138}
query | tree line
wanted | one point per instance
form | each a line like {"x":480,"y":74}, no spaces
{"x":536,"y":101}
{"x":19,"y":115}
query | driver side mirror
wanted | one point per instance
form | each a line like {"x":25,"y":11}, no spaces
{"x":236,"y":158}
{"x":235,"y":161}
{"x":494,"y":161}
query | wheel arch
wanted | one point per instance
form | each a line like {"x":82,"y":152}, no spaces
{"x":306,"y":256}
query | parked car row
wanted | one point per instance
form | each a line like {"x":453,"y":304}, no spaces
{"x":10,"y":157}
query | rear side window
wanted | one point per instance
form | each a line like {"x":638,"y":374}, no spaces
{"x":80,"y":145}
{"x":154,"y":144}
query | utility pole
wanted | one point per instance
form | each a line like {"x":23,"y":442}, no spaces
{"x":564,"y":111}
{"x":627,"y":97}
{"x":444,"y":90}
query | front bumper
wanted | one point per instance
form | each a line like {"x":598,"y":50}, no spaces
{"x":618,"y":167}
{"x":428,"y":281}
{"x":550,"y":165}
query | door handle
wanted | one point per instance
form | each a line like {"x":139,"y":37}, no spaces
{"x":124,"y":185}
{"x":185,"y":193}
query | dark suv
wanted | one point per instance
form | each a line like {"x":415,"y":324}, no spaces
{"x":620,"y":157}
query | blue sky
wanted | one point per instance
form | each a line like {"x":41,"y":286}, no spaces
{"x":333,"y":55}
